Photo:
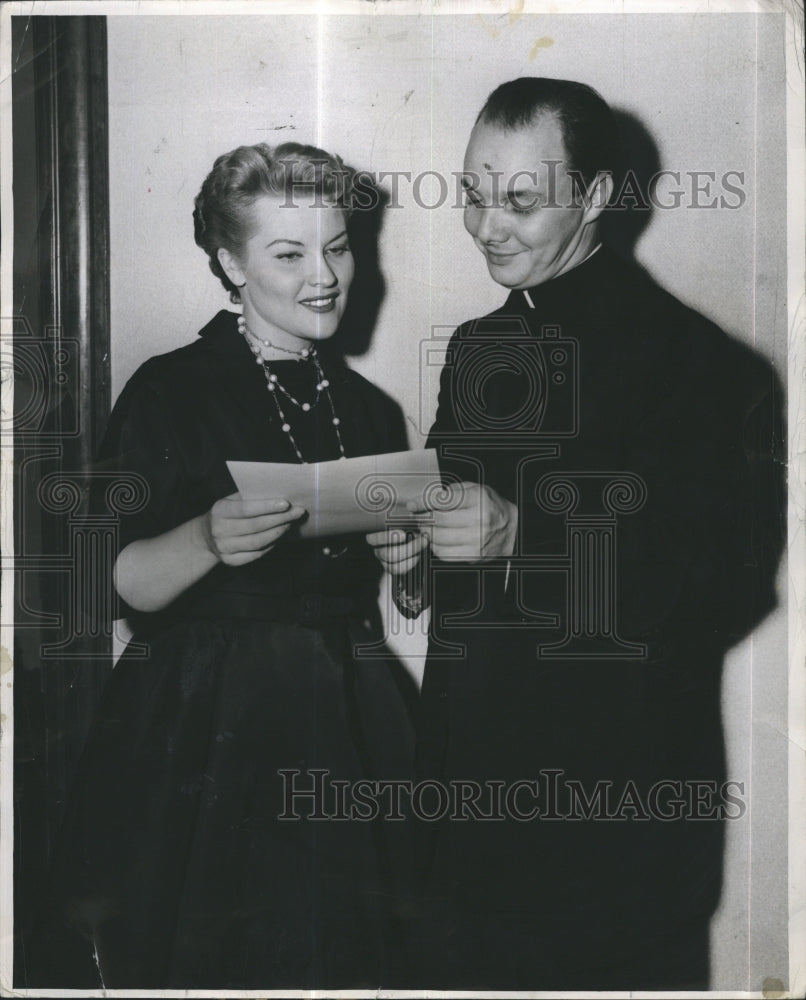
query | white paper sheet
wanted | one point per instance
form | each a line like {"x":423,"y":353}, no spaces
{"x":363,"y":494}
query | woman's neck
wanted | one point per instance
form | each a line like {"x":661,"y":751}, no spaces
{"x":273,"y":347}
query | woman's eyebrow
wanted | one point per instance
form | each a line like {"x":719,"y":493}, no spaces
{"x":282,"y":239}
{"x":342,"y":234}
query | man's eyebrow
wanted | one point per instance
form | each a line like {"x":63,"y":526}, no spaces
{"x":514,"y":194}
{"x":525,"y":179}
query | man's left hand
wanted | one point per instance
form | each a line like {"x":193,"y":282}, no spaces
{"x":482,"y":525}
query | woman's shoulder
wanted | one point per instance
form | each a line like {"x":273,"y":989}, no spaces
{"x":175,"y":371}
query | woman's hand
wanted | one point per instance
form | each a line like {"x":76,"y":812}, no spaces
{"x":238,"y":531}
{"x":398,"y":551}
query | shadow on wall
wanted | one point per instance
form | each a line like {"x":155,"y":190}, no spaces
{"x":622,"y":228}
{"x":369,"y":286}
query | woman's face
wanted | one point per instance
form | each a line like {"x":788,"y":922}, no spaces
{"x":294,"y":272}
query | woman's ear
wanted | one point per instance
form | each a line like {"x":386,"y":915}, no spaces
{"x":232,"y":268}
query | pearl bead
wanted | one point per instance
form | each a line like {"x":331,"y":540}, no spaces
{"x":336,"y":421}
{"x":306,"y":406}
{"x":271,"y":387}
{"x":326,"y":550}
{"x":272,"y":378}
{"x":325,"y":383}
{"x":304,"y":352}
{"x":286,"y":428}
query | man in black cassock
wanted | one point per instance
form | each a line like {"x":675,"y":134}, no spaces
{"x":616,"y":530}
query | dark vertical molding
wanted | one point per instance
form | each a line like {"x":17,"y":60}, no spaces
{"x":81,"y":220}
{"x":62,"y":402}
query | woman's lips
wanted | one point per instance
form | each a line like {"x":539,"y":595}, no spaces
{"x":321,"y":303}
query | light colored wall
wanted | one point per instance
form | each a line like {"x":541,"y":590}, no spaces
{"x":400,"y":93}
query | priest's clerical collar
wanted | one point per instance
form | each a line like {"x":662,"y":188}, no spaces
{"x":528,"y":297}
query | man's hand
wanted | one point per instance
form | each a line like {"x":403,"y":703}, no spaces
{"x":397,"y":551}
{"x":482,"y":525}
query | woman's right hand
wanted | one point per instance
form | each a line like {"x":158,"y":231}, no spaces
{"x":398,"y":551}
{"x":238,"y":531}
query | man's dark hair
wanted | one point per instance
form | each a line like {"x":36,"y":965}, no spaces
{"x":588,"y":125}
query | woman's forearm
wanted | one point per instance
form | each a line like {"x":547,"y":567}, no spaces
{"x":152,"y":572}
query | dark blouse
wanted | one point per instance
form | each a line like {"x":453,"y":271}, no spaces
{"x":184,"y":414}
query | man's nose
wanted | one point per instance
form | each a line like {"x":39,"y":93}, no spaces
{"x":491,"y":225}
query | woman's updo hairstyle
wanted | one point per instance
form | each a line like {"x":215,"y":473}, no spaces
{"x":300,"y":174}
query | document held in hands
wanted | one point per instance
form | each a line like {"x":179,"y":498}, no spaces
{"x":363,"y":494}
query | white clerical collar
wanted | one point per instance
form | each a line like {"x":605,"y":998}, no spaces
{"x":528,"y":297}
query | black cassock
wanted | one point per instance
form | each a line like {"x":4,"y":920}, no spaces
{"x":173,"y":864}
{"x":640,"y":444}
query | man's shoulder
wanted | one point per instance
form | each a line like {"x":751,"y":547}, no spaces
{"x":510,"y":316}
{"x":688,"y":341}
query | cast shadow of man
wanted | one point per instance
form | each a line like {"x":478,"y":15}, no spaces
{"x":623,"y":226}
{"x":758,"y":531}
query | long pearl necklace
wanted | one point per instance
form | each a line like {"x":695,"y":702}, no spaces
{"x":277,"y":389}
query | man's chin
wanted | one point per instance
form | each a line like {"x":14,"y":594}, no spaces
{"x":507,"y":277}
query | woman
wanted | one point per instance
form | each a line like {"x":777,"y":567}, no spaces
{"x":175,"y":866}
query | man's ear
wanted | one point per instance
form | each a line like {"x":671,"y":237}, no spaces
{"x":231,"y":266}
{"x":599,"y":194}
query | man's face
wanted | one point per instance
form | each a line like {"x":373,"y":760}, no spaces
{"x":521,"y":206}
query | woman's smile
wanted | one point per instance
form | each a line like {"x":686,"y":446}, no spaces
{"x":321,"y":303}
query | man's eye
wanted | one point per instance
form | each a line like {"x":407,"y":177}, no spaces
{"x":524,"y":206}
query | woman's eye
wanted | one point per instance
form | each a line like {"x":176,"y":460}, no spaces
{"x":289,"y":255}
{"x":342,"y":248}
{"x":472,"y":199}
